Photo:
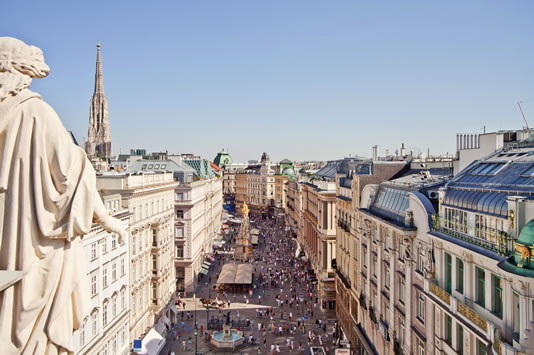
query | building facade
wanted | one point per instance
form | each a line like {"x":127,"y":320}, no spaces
{"x":107,"y":328}
{"x":317,"y":237}
{"x":198,"y":221}
{"x":149,"y":198}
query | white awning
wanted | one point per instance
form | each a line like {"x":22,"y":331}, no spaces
{"x":152,"y":343}
{"x":235,"y":274}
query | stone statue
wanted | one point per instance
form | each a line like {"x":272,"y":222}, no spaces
{"x":48,"y":202}
{"x":227,"y":318}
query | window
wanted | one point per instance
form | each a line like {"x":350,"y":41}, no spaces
{"x":448,"y":329}
{"x":459,"y":339}
{"x":93,"y":251}
{"x":516,"y":316}
{"x":420,"y":348}
{"x":448,"y":272}
{"x":154,"y":238}
{"x":364,"y":256}
{"x":179,"y":232}
{"x":154,"y":263}
{"x":114,"y":272}
{"x":459,"y":275}
{"x":105,"y":314}
{"x":123,"y":336}
{"x":401,"y":289}
{"x":375,"y":266}
{"x":123,"y":268}
{"x":94,"y":278}
{"x":481,"y":348}
{"x":388,"y":240}
{"x":154,"y":292}
{"x":179,"y":214}
{"x":114,"y":306}
{"x":82,"y":334}
{"x":421,"y":307}
{"x":179,"y":196}
{"x":123,"y":299}
{"x":386,"y":277}
{"x":104,"y":277}
{"x":497,"y":295}
{"x":480,"y":287}
{"x":420,"y":260}
{"x":133,"y":245}
{"x":179,"y":251}
{"x":114,"y":241}
{"x":104,"y":247}
{"x":94,"y":319}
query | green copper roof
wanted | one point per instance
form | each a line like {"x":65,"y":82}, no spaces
{"x":526,"y":237}
{"x":222,"y":159}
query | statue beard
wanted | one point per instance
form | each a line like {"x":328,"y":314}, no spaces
{"x":12,"y":83}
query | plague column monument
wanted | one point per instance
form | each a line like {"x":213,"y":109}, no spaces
{"x":48,"y":202}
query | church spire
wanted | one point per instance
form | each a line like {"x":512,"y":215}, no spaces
{"x":98,"y":137}
{"x":99,"y":80}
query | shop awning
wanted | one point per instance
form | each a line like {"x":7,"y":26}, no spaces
{"x":235,"y":274}
{"x":206,"y":265}
{"x":152,"y":343}
{"x":203,"y":271}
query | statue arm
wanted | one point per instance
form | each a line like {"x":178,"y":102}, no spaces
{"x":107,"y":222}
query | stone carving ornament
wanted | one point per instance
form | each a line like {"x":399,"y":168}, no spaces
{"x":48,"y":202}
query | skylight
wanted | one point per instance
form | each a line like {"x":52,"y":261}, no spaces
{"x":528,"y":172}
{"x":487,"y":168}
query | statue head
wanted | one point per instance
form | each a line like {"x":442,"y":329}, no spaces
{"x":19,"y":64}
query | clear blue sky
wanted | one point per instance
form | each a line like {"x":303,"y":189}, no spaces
{"x":297,"y":79}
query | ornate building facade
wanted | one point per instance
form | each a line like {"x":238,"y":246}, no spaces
{"x":106,"y":329}
{"x":149,"y":198}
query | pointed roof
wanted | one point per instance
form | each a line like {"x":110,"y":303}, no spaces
{"x":99,"y":80}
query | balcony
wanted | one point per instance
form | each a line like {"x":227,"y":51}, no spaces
{"x":343,"y":279}
{"x":503,"y":245}
{"x":459,"y":307}
{"x":343,"y":225}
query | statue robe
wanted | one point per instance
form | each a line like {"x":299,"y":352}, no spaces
{"x":47,"y":201}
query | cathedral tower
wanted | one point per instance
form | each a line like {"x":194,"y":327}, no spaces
{"x":98,"y":137}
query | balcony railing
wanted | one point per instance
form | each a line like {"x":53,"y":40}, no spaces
{"x":473,"y":316}
{"x":440,"y":293}
{"x":504,"y":242}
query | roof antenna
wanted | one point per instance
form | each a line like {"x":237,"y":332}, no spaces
{"x":522,"y":113}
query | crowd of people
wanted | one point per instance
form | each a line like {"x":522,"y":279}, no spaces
{"x":288,"y":317}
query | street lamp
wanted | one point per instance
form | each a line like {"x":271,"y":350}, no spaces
{"x":196,"y":326}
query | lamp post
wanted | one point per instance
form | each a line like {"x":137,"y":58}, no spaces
{"x":196,"y":327}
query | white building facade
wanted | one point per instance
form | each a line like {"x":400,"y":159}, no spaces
{"x":149,"y":198}
{"x":106,"y":329}
{"x":198,"y":219}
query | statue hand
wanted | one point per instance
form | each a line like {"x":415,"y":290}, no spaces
{"x":111,"y":224}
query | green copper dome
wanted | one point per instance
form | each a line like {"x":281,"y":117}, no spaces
{"x":526,"y":237}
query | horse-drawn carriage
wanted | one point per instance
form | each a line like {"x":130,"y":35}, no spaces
{"x":212,"y":304}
